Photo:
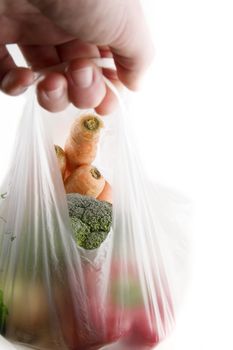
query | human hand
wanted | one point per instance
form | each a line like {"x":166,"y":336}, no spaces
{"x":49,"y":32}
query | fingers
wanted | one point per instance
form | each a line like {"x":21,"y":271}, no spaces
{"x":82,"y":84}
{"x":86,"y":87}
{"x":131,"y":70}
{"x":40,"y":56}
{"x":56,"y":90}
{"x":109,"y":103}
{"x":17,"y":80}
{"x":13,"y":80}
{"x":52,"y":92}
{"x":6,"y":62}
{"x":76,"y":49}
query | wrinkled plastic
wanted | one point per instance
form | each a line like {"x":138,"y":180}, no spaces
{"x":59,"y":296}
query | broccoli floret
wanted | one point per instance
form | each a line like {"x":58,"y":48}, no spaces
{"x":91,"y":220}
{"x":3,"y":314}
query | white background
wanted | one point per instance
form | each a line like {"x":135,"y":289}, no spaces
{"x":184,"y":130}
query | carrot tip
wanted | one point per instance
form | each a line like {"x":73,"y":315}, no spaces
{"x":95,"y":173}
{"x":91,"y":122}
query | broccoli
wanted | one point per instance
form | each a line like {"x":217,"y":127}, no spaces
{"x":91,"y":220}
{"x":3,"y":314}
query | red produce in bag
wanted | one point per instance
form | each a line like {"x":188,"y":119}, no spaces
{"x":77,"y":272}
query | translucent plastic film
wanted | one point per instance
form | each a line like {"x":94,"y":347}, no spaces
{"x":91,"y":253}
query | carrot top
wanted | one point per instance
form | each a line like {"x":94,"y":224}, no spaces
{"x":91,"y":123}
{"x":86,"y":128}
{"x":95,"y":173}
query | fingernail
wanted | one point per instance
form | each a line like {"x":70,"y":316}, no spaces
{"x":83,"y":77}
{"x":7,"y":81}
{"x":53,"y":94}
{"x":18,"y":91}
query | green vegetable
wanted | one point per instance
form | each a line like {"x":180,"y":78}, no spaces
{"x":3,"y":314}
{"x":3,"y":195}
{"x":91,"y":220}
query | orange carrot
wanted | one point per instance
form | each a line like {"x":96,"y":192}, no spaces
{"x":86,"y":180}
{"x":61,"y":159}
{"x":81,"y":145}
{"x":67,"y":174}
{"x":106,"y":194}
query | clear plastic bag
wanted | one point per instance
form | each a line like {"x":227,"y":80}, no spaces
{"x":56,"y":295}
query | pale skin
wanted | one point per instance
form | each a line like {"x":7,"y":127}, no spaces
{"x":49,"y":32}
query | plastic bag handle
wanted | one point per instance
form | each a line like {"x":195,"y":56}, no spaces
{"x":102,"y":62}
